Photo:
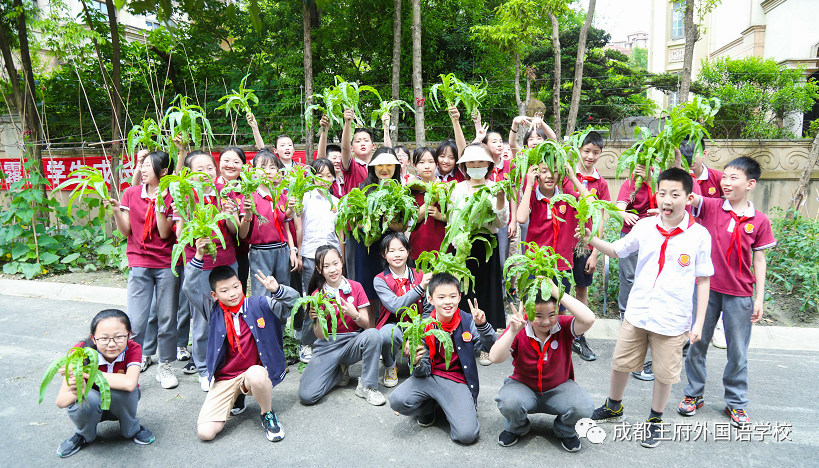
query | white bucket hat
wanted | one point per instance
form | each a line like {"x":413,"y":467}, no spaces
{"x":385,"y":158}
{"x":475,"y":153}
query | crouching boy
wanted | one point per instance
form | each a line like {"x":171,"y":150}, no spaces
{"x":543,"y":377}
{"x":454,"y":389}
{"x":245,"y":352}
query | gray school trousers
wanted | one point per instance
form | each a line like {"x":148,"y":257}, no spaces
{"x":626,"y":273}
{"x":183,"y":323}
{"x":392,"y":338}
{"x":324,"y":371}
{"x":143,"y":285}
{"x":417,"y":397}
{"x":306,"y":337}
{"x":199,"y":327}
{"x":568,"y":401}
{"x":736,"y":320}
{"x":123,"y":407}
{"x":275,"y":262}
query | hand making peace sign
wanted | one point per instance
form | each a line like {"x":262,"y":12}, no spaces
{"x":477,"y":314}
{"x":269,"y":282}
{"x":518,"y":319}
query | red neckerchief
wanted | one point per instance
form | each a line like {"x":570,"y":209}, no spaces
{"x":668,"y":235}
{"x":586,"y":178}
{"x":540,"y":355}
{"x":149,"y":221}
{"x":231,"y":331}
{"x":447,"y":327}
{"x":736,"y":236}
{"x":276,"y":221}
{"x":651,"y":203}
{"x":495,"y":173}
{"x":401,"y":282}
{"x":555,"y":222}
{"x":694,"y":176}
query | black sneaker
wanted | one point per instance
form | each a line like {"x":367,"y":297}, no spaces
{"x":71,"y":446}
{"x":686,"y":348}
{"x":571,"y":444}
{"x":652,"y":433}
{"x":143,"y":436}
{"x":190,"y":367}
{"x":606,"y":414}
{"x":506,"y":438}
{"x":581,"y":347}
{"x":271,"y":425}
{"x":646,"y":373}
{"x":239,"y":406}
{"x":426,"y":420}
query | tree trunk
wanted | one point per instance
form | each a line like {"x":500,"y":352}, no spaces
{"x":116,"y":95}
{"x":688,"y":58}
{"x":813,"y":156}
{"x":556,"y":77}
{"x":528,"y":90}
{"x":417,"y":83}
{"x":30,"y":117}
{"x":521,"y":105}
{"x":8,"y":61}
{"x":307,"y":12}
{"x":396,"y":69}
{"x":577,"y":85}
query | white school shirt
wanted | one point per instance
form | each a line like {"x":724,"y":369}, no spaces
{"x":318,"y":223}
{"x":665,"y":308}
{"x":461,"y":191}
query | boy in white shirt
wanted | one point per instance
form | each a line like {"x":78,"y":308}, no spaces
{"x":673,"y":251}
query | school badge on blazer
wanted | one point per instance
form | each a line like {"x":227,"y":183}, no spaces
{"x":749,"y":228}
{"x":466,"y":336}
{"x":260,"y":322}
{"x":562,"y":209}
{"x":712,"y":190}
{"x":594,"y":191}
{"x":684,"y":260}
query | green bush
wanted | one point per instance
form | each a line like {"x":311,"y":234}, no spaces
{"x":794,"y":263}
{"x":38,"y":236}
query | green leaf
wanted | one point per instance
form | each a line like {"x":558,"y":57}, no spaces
{"x":47,"y":258}
{"x":30,"y":270}
{"x":19,"y":250}
{"x":11,"y":268}
{"x":70,"y":258}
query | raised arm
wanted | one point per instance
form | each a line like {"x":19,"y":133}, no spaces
{"x":324,"y":124}
{"x":460,"y":141}
{"x":346,"y":139}
{"x":517,"y":124}
{"x":257,"y":136}
{"x":385,"y":120}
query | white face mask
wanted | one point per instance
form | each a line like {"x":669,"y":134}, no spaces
{"x":476,"y":172}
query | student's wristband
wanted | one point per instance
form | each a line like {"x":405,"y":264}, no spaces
{"x":513,"y":131}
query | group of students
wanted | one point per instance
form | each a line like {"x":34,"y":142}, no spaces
{"x":669,"y":248}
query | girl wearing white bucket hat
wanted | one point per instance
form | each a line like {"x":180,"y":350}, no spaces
{"x":476,"y":162}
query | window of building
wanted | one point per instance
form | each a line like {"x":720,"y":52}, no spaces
{"x":149,"y":24}
{"x":678,"y":20}
{"x":99,"y":6}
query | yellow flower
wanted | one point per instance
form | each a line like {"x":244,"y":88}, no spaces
{"x":45,"y":271}
{"x":85,"y":245}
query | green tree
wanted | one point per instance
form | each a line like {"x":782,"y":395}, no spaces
{"x":638,"y":58}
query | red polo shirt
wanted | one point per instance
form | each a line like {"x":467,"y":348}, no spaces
{"x":237,"y":363}
{"x":132,"y":356}
{"x":754,"y":233}
{"x":267,"y":233}
{"x":640,"y":204}
{"x":709,"y":182}
{"x":598,"y":187}
{"x":226,"y":256}
{"x":356,"y":292}
{"x":353,"y":175}
{"x":542,"y":223}
{"x":549,"y":365}
{"x":155,"y":252}
{"x":427,"y":235}
{"x":455,"y":372}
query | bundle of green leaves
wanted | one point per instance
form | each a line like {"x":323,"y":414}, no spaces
{"x":184,"y":189}
{"x":188,"y":122}
{"x":386,"y":107}
{"x":433,"y":261}
{"x":80,"y":361}
{"x":435,"y":192}
{"x":147,"y":135}
{"x":240,"y":100}
{"x":535,"y":269}
{"x":465,"y":222}
{"x":455,"y":91}
{"x":589,"y":207}
{"x":88,"y":181}
{"x":370,"y":212}
{"x":548,"y":152}
{"x":299,"y":182}
{"x":204,"y":222}
{"x":336,"y":98}
{"x":325,"y":306}
{"x":247,"y":184}
{"x":415,"y":330}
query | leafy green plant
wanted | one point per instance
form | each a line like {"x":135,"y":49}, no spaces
{"x":204,"y":222}
{"x":794,"y":263}
{"x":533,"y":269}
{"x":455,"y":91}
{"x":246,"y":185}
{"x":79,"y":361}
{"x":147,"y":135}
{"x":370,"y":212}
{"x":240,"y":100}
{"x":386,"y":107}
{"x":465,"y":222}
{"x":88,"y":181}
{"x":301,"y":181}
{"x":589,"y":207}
{"x":415,"y":330}
{"x":336,"y":98}
{"x":433,"y":261}
{"x":184,"y":188}
{"x":548,"y":152}
{"x":435,"y":192}
{"x":188,"y":122}
{"x":325,"y":306}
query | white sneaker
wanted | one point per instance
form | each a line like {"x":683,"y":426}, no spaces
{"x":373,"y":396}
{"x":345,"y":376}
{"x":204,"y":383}
{"x":484,"y":359}
{"x":718,"y":339}
{"x":165,"y":377}
{"x":305,"y":353}
{"x":182,"y":354}
{"x":146,"y":363}
{"x":391,"y":376}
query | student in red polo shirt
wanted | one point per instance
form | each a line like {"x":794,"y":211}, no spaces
{"x":740,"y":234}
{"x":150,"y":239}
{"x":119,"y":362}
{"x":427,"y":234}
{"x":543,"y":377}
{"x":272,"y":247}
